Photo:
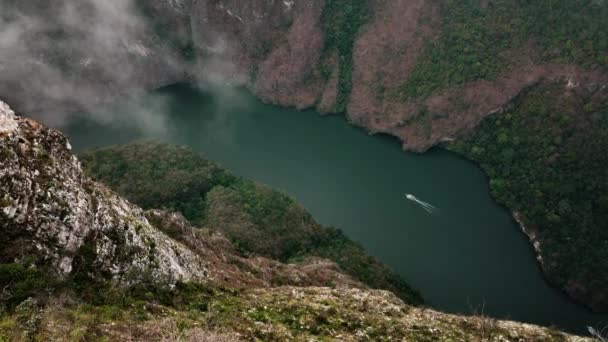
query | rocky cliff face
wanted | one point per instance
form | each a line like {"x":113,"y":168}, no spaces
{"x":272,"y":46}
{"x":53,"y":213}
{"x":55,"y":219}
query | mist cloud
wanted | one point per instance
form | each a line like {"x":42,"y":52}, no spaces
{"x":76,"y":57}
{"x":57,"y":57}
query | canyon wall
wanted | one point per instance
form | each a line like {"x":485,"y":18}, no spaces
{"x":426,"y":72}
{"x":279,"y":49}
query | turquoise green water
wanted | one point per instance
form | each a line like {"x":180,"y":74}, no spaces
{"x":469,"y":256}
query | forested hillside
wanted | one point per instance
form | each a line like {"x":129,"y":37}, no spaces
{"x":546,"y":159}
{"x":481,"y":39}
{"x":258,"y":220}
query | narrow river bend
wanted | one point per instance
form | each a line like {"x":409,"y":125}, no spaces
{"x":469,"y":256}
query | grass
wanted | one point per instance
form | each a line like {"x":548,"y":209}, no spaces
{"x":195,"y":312}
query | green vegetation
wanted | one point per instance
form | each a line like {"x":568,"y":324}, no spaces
{"x":342,"y":21}
{"x":283,"y":314}
{"x":476,"y":37}
{"x":37,"y":305}
{"x":29,"y":289}
{"x":156,"y":182}
{"x":321,"y":314}
{"x":546,"y":159}
{"x":258,"y":220}
{"x":19,"y":282}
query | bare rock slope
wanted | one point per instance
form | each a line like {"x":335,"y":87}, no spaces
{"x":52,"y":211}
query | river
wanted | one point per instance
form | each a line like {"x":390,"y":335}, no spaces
{"x":470,"y":257}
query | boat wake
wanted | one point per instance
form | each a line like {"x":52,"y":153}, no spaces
{"x":426,"y":206}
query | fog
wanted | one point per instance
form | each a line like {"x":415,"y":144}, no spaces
{"x":65,"y":57}
{"x":72,"y":58}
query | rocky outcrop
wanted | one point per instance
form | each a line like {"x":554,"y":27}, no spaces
{"x":53,"y":214}
{"x":272,"y":46}
{"x":229,"y":268}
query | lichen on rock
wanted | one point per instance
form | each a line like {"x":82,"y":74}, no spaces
{"x":52,"y":212}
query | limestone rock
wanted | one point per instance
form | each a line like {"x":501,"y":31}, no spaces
{"x":51,"y":212}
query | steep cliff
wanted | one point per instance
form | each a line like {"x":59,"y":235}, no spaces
{"x":52,"y":214}
{"x":79,"y":262}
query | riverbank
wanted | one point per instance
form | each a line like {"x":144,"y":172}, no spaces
{"x":544,"y":157}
